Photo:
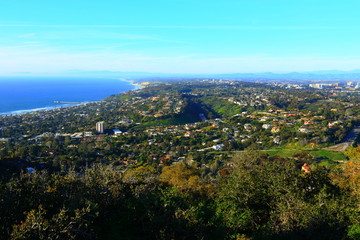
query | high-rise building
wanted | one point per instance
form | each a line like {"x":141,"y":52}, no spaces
{"x":100,"y":127}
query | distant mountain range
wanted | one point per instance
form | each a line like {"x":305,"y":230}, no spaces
{"x":326,"y":76}
{"x":296,"y":76}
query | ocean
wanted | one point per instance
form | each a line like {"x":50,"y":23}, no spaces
{"x":26,"y":94}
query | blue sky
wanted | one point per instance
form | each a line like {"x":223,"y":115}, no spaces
{"x":178,"y":36}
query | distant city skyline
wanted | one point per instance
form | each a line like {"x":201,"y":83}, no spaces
{"x":178,"y":36}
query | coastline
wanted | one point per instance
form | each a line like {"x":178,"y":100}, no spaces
{"x":137,"y":86}
{"x":49,"y":108}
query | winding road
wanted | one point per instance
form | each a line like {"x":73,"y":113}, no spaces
{"x":347,"y":141}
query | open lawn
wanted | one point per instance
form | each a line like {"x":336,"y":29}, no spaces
{"x":292,"y":148}
{"x":325,"y":157}
{"x":331,"y":155}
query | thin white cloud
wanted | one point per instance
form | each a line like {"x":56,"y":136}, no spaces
{"x":214,"y":27}
{"x":27,"y":35}
{"x":74,"y":34}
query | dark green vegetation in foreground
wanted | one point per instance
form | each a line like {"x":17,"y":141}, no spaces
{"x":260,"y":197}
{"x":195,"y":160}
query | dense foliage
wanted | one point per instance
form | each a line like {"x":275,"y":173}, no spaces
{"x":259,"y":197}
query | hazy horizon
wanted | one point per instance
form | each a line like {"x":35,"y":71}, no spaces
{"x":39,"y":37}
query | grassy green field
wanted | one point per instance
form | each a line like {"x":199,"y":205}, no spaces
{"x":290,"y":149}
{"x":325,"y":157}
{"x":331,"y":155}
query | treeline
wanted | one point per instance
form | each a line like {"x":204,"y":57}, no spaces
{"x":258,"y":197}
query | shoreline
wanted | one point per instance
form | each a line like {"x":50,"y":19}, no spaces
{"x":137,"y":86}
{"x":40,"y":109}
{"x":49,"y":108}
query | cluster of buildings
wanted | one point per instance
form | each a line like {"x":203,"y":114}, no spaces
{"x":155,"y":106}
{"x":348,"y":85}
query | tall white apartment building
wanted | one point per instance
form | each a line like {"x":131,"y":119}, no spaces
{"x":100,"y":126}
